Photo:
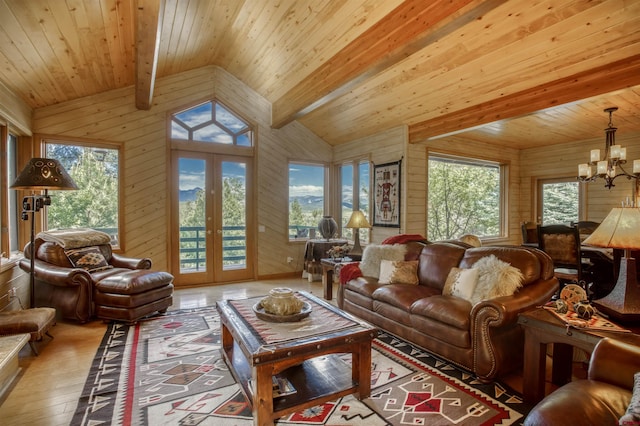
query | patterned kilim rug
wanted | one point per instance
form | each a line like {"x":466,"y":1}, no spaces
{"x":168,"y":370}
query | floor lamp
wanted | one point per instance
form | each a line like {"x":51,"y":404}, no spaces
{"x":40,"y":174}
{"x":621,"y":230}
{"x":357,"y":221}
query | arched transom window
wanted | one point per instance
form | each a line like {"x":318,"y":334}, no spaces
{"x":211,"y":122}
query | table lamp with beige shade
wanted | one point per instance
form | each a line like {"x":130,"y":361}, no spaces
{"x":620,"y":230}
{"x":357,"y":221}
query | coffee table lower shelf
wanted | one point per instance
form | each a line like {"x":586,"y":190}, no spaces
{"x":316,"y":380}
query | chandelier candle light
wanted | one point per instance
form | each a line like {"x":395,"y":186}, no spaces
{"x":614,"y":157}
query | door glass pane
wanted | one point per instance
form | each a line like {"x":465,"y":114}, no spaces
{"x":234,"y":215}
{"x":192,"y":215}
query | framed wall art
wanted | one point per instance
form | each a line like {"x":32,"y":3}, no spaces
{"x":386,"y":191}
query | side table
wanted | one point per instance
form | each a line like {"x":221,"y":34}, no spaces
{"x":542,"y":327}
{"x":313,"y":252}
{"x":328,"y":273}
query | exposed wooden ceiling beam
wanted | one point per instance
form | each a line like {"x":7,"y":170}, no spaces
{"x":605,"y":79}
{"x":148,"y":28}
{"x":409,"y":28}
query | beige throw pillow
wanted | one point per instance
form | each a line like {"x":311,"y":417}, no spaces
{"x":461,"y":283}
{"x":398,"y":272}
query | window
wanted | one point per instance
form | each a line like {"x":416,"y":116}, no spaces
{"x":306,"y":198}
{"x":354,"y":196}
{"x":465,"y":197}
{"x":10,"y":214}
{"x":559,"y":201}
{"x":211,"y":122}
{"x":96,"y":172}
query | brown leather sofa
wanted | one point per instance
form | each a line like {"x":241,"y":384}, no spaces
{"x":126,"y":291}
{"x":602,"y":398}
{"x":484,"y":339}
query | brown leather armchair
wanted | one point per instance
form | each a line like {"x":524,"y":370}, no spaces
{"x":119,"y":292}
{"x":602,"y":398}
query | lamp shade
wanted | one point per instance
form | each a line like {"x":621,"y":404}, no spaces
{"x":620,"y":229}
{"x":44,"y":173}
{"x":357,"y":220}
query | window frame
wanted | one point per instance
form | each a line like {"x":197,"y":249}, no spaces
{"x":356,"y":181}
{"x":503,"y":192}
{"x":88,"y":143}
{"x":582,"y":196}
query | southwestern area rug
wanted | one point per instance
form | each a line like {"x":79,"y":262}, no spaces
{"x":168,"y":370}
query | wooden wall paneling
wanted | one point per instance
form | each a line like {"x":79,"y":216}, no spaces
{"x":562,"y":161}
{"x":15,"y":111}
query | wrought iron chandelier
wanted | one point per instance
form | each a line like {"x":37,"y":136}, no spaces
{"x":610,"y":167}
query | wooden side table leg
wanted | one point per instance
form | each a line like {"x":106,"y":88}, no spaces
{"x":561,"y":367}
{"x":327,"y":282}
{"x":533,"y":382}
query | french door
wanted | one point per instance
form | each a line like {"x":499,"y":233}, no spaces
{"x":213,"y":238}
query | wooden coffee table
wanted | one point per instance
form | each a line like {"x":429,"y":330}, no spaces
{"x":255,"y":354}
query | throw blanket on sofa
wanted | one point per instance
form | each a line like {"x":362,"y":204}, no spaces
{"x":74,"y":238}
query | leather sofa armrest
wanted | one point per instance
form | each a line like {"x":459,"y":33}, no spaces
{"x":615,"y":362}
{"x":129,"y":262}
{"x":508,"y":307}
{"x":57,"y":275}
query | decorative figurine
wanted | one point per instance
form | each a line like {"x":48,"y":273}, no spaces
{"x":584,"y":309}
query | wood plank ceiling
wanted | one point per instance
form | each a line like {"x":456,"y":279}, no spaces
{"x":522,"y":73}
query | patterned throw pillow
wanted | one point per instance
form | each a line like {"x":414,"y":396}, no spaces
{"x":398,"y":272}
{"x":461,"y":283}
{"x":88,"y":258}
{"x":632,"y":415}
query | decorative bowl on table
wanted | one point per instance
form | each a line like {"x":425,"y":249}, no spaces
{"x":281,"y":305}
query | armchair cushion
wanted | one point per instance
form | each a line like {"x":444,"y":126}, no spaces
{"x":88,"y":258}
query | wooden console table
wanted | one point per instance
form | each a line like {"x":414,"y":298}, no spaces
{"x":542,"y":327}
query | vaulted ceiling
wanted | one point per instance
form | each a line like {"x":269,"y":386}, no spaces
{"x":522,"y":73}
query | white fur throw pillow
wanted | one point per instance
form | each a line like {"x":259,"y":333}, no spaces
{"x":495,"y":278}
{"x":373,"y":254}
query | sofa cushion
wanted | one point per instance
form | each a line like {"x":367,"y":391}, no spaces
{"x":401,"y":295}
{"x":398,"y":272}
{"x":373,"y":254}
{"x":436,"y":261}
{"x":449,"y":310}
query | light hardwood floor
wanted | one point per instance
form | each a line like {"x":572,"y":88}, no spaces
{"x":48,"y":388}
{"x":49,"y":385}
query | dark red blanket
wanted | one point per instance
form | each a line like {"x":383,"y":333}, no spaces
{"x":349,"y":271}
